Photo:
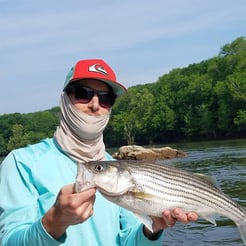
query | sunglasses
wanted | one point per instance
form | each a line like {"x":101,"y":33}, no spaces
{"x":85,"y":94}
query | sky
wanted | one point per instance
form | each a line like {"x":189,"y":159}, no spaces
{"x":141,"y":40}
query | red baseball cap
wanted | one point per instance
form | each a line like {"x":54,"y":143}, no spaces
{"x":95,"y":69}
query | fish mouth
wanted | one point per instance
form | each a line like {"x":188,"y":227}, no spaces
{"x":111,"y":194}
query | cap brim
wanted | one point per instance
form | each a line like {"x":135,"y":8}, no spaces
{"x":118,"y":88}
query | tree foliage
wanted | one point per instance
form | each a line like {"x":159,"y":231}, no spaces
{"x":201,"y":101}
{"x":206,"y":100}
{"x":18,"y":130}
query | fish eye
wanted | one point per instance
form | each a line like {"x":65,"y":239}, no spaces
{"x":99,"y":168}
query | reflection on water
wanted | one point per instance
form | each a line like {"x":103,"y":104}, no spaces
{"x":225,"y":160}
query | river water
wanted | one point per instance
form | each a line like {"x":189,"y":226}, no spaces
{"x":225,"y":160}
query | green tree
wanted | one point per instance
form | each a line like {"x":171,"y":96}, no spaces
{"x":234,"y":48}
{"x":19,"y":138}
{"x":3,"y":147}
{"x":240,"y":119}
{"x":134,"y":120}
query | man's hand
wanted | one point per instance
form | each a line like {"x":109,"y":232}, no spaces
{"x":69,"y":209}
{"x":169,"y":219}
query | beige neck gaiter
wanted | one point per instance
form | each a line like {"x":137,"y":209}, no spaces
{"x":80,"y":135}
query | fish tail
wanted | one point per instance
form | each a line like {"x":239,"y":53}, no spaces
{"x":242,"y":229}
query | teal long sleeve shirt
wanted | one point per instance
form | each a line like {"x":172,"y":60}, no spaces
{"x":30,"y":179}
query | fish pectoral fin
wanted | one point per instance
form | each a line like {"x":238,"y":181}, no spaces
{"x":146,"y":220}
{"x":141,"y":195}
{"x":211,"y":220}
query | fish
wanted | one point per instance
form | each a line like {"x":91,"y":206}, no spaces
{"x":148,"y":188}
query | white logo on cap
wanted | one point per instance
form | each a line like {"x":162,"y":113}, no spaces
{"x":98,"y":69}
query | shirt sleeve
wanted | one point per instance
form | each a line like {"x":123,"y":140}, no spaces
{"x":132,"y":231}
{"x":20,"y":222}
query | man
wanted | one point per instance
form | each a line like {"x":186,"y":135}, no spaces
{"x":38,"y":205}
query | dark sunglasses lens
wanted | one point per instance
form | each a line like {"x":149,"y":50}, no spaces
{"x":83,"y":94}
{"x":106,"y":99}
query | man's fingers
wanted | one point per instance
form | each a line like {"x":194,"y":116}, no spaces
{"x":192,"y":216}
{"x":67,"y":197}
{"x":67,"y":189}
{"x":180,"y":215}
{"x":168,"y":218}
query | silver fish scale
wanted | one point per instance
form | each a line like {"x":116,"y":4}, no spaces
{"x":175,"y":186}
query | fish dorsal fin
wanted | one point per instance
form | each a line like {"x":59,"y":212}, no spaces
{"x":146,"y":220}
{"x":210,"y":179}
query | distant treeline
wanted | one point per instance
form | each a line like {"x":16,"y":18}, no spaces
{"x":18,"y":130}
{"x":203,"y":101}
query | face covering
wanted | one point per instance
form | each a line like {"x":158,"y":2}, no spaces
{"x":80,"y":135}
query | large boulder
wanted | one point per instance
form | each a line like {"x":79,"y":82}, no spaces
{"x":135,"y":152}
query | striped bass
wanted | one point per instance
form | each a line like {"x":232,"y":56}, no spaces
{"x":149,"y":188}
